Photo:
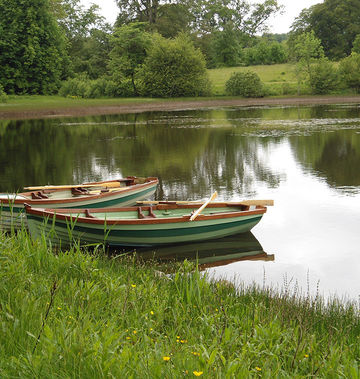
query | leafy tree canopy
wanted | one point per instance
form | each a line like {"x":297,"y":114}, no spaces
{"x":174,"y":68}
{"x":33,"y":47}
{"x":335,"y":23}
{"x":204,"y":15}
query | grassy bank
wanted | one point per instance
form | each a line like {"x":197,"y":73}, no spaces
{"x":77,"y":314}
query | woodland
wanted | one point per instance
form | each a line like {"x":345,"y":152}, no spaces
{"x":166,"y":48}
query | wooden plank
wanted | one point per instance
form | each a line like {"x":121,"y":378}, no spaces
{"x":196,"y":213}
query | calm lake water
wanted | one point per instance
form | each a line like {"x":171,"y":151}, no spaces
{"x":305,"y":158}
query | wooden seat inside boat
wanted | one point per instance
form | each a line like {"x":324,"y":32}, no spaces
{"x":151,"y":213}
{"x":39,"y":195}
{"x":79,"y":191}
{"x":88,"y":214}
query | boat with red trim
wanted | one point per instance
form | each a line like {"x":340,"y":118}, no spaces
{"x":149,"y":225}
{"x":110,"y":193}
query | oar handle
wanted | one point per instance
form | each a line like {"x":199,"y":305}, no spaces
{"x":197,"y":212}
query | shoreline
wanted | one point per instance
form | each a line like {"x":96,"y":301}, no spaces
{"x":170,"y":105}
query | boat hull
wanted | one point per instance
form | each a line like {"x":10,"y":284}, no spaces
{"x":63,"y":230}
{"x":13,"y":217}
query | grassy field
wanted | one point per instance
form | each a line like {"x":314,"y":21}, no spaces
{"x":273,"y":75}
{"x":85,"y":315}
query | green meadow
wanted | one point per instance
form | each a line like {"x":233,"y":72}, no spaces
{"x":91,"y":315}
{"x":279,"y":80}
{"x":279,"y":77}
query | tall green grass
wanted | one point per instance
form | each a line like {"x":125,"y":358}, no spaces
{"x":89,"y":315}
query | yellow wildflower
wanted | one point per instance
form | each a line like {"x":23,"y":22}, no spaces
{"x":166,"y":359}
{"x":151,"y":312}
{"x":59,"y":308}
{"x":257,"y":368}
{"x":133,"y":285}
{"x":306,"y":355}
{"x":134,"y":331}
{"x":195,"y":353}
{"x":198,"y":373}
{"x":183,"y":341}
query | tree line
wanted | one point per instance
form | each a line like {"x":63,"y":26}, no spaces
{"x":162,"y":48}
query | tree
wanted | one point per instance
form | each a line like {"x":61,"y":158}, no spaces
{"x":306,"y":50}
{"x":356,"y":45}
{"x":335,"y":23}
{"x":33,"y":47}
{"x":206,"y":15}
{"x":129,"y":51}
{"x":324,"y":77}
{"x":174,"y":68}
{"x":349,"y":69}
{"x":88,"y":37}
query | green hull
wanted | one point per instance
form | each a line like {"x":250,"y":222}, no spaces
{"x":143,"y":233}
{"x":13,"y":217}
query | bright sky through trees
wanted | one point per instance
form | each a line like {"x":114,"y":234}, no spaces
{"x":278,"y":24}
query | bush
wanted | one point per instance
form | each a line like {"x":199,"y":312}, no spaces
{"x":324,"y":77}
{"x":349,"y":70}
{"x":3,"y":96}
{"x":246,"y":84}
{"x":91,"y":89}
{"x":174,"y":68}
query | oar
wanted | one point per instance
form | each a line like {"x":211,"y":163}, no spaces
{"x":242,"y":202}
{"x":50,"y":187}
{"x":196,"y":213}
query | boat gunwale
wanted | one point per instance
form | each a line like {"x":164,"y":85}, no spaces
{"x":80,"y":198}
{"x":49,"y":213}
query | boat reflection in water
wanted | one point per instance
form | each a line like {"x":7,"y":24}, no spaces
{"x":210,"y":253}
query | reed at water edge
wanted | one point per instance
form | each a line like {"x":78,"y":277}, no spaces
{"x":84,"y":314}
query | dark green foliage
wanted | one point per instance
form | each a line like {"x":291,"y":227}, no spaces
{"x":335,"y":23}
{"x":246,"y":84}
{"x":174,"y":68}
{"x":3,"y":96}
{"x":88,"y":37}
{"x":226,"y":48}
{"x":356,"y":45}
{"x":265,"y":52}
{"x":33,"y":48}
{"x":91,"y":89}
{"x":324,"y":77}
{"x":173,"y":19}
{"x":129,"y":51}
{"x":350,"y":71}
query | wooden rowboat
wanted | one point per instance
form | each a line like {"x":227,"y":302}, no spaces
{"x":165,"y":223}
{"x":110,"y":193}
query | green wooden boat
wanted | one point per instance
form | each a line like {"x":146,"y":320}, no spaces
{"x":110,"y":193}
{"x":164,"y":223}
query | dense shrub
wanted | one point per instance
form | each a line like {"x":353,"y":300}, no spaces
{"x":264,"y":53}
{"x":174,"y":68}
{"x":349,"y":69}
{"x":246,"y":84}
{"x":91,"y":89}
{"x":3,"y":96}
{"x":324,"y":77}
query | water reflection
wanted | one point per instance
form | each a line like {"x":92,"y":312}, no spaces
{"x":305,"y":158}
{"x":211,"y":253}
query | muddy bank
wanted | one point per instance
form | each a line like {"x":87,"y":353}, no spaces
{"x":172,"y":106}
